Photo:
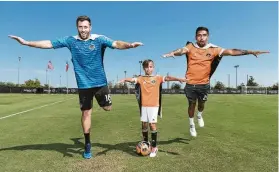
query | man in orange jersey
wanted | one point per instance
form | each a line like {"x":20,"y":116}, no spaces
{"x":202,"y":61}
{"x":150,"y":87}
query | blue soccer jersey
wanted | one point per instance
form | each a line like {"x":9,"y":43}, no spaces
{"x":87,"y":58}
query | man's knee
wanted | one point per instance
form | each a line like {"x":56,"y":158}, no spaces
{"x":107,"y":108}
{"x":86,"y":113}
{"x":192,"y":103}
{"x":201,"y":104}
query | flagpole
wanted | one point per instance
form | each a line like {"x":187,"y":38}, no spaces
{"x":49,"y":81}
{"x":67,"y":68}
{"x":46,"y":76}
{"x":49,"y":66}
{"x":67,"y":82}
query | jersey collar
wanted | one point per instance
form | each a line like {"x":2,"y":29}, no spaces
{"x":92,"y":37}
{"x":205,"y":47}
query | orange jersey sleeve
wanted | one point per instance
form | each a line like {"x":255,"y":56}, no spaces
{"x":138,"y":80}
{"x":218,"y":52}
{"x":161,"y":79}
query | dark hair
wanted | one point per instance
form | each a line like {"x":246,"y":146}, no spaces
{"x":83,"y":18}
{"x":202,"y":28}
{"x":146,"y":62}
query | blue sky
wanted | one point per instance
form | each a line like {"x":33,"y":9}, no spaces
{"x":161,"y":26}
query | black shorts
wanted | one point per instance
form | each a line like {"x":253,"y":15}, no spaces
{"x":86,"y":97}
{"x":194,"y":92}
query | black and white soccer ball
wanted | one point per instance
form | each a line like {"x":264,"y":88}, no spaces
{"x":143,"y":148}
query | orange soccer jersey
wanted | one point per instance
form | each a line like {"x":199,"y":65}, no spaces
{"x":150,"y":90}
{"x":201,"y":62}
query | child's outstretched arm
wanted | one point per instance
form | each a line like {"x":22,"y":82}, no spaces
{"x":127,"y":80}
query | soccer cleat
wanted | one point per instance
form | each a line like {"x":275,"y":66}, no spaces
{"x":200,"y":121}
{"x":87,"y":151}
{"x":153,"y":152}
{"x":193,"y":131}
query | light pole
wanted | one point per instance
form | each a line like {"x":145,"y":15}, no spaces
{"x":140,"y":62}
{"x":19,"y":58}
{"x":229,"y":80}
{"x":168,"y":82}
{"x":236,"y":66}
{"x":125,"y":82}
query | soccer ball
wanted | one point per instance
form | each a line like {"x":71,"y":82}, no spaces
{"x":143,"y":148}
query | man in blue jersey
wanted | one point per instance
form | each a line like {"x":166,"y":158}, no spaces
{"x":87,"y":56}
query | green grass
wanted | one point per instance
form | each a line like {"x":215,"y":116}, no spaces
{"x":240,"y":134}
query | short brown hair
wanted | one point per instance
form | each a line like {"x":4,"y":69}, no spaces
{"x":83,"y":18}
{"x":202,"y":28}
{"x":145,"y":63}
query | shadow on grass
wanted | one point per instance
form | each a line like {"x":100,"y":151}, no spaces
{"x":129,"y":147}
{"x":63,"y":148}
{"x":77,"y":147}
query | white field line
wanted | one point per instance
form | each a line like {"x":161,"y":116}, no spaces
{"x":18,"y":113}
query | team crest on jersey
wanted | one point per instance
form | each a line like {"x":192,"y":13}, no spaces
{"x":153,"y":82}
{"x":208,"y":55}
{"x":92,"y":47}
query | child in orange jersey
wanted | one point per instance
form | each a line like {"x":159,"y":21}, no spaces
{"x":150,"y":100}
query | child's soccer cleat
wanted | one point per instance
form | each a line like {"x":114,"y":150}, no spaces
{"x":153,"y":152}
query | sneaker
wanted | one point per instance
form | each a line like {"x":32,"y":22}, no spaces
{"x":87,"y":151}
{"x":193,"y":131}
{"x":153,"y":152}
{"x":200,"y":121}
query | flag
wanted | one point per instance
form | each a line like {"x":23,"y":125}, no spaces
{"x":67,"y":66}
{"x":50,"y":66}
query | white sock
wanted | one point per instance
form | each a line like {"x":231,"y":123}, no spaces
{"x":199,"y":114}
{"x":191,"y":121}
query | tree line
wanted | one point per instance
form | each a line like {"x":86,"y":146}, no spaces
{"x":218,"y":85}
{"x":251,"y":82}
{"x":29,"y":84}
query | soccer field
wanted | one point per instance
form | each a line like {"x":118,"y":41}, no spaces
{"x":240,"y":134}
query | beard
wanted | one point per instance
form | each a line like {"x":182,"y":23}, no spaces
{"x":201,"y":44}
{"x":84,"y":36}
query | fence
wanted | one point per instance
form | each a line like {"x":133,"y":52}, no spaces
{"x":125,"y":91}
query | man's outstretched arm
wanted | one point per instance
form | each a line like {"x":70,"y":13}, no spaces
{"x":125,"y":45}
{"x":239,"y":52}
{"x":178,"y":52}
{"x":46,"y":44}
{"x":171,"y":78}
